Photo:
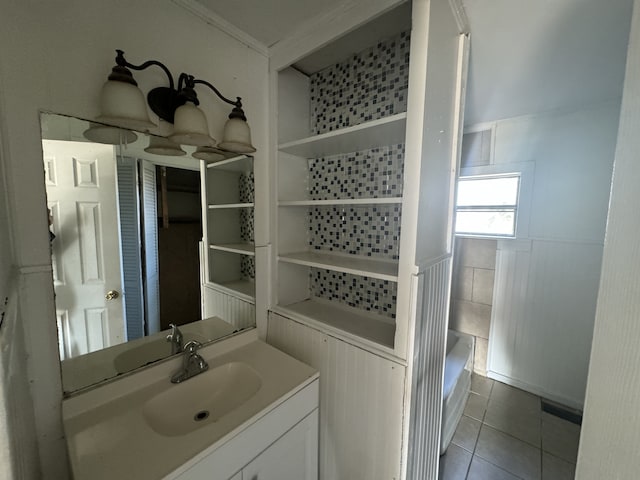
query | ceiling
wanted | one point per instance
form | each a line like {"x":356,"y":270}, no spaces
{"x":269,"y":21}
{"x":526,"y":56}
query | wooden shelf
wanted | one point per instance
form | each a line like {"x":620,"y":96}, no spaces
{"x":343,"y":201}
{"x":356,"y":265}
{"x":221,"y":206}
{"x":241,"y":248}
{"x":358,"y":325}
{"x":241,"y":164}
{"x":377,"y":133}
{"x":242,"y":289}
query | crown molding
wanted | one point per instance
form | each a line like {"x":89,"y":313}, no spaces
{"x":200,"y":11}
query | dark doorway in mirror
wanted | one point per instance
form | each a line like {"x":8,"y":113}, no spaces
{"x":179,"y":237}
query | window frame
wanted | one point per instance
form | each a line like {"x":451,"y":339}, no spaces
{"x":490,"y":208}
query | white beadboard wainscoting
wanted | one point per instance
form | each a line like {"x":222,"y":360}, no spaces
{"x":236,"y":311}
{"x":361,"y":402}
{"x":432,"y":288}
{"x":544,"y":290}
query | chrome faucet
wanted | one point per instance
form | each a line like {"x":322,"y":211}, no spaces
{"x":193,"y":363}
{"x":175,"y":338}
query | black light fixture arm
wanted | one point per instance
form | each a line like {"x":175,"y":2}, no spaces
{"x":222,"y":97}
{"x":122,"y":62}
{"x":237,"y":111}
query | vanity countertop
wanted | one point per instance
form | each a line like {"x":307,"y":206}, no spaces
{"x":91,"y":368}
{"x":108,"y":436}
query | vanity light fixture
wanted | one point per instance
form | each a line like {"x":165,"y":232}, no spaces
{"x":110,"y":135}
{"x":179,"y":106}
{"x":208,"y":154}
{"x":164,"y":146}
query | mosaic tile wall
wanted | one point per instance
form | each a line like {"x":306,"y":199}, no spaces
{"x":369,"y":85}
{"x":369,"y":230}
{"x":371,"y":294}
{"x":246,"y":185}
{"x":369,"y":173}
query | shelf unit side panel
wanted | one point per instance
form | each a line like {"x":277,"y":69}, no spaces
{"x":225,"y":266}
{"x":293,"y":283}
{"x":293,"y":230}
{"x":293,"y":105}
{"x":223,"y":226}
{"x":222,"y":187}
{"x":439,"y":151}
{"x":293,"y":177}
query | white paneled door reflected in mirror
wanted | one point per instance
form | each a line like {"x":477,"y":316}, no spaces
{"x":128,"y":261}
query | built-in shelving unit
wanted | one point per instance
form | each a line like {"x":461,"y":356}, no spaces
{"x":340,"y":197}
{"x":228,"y":233}
{"x":351,"y":292}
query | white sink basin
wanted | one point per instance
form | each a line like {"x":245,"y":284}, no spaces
{"x":202,"y":399}
{"x":148,"y":352}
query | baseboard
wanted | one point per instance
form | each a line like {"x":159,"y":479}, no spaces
{"x":536,"y":390}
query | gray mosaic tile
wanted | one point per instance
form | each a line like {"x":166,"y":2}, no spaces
{"x":374,"y":173}
{"x":372,"y":230}
{"x":369,"y":294}
{"x":246,"y":185}
{"x":369,"y":85}
{"x":248,"y":267}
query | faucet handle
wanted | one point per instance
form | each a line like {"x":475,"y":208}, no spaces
{"x":175,"y":335}
{"x":192,"y":346}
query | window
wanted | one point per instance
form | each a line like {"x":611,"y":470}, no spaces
{"x":487,"y":205}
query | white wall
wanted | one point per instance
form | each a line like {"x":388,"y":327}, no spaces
{"x":611,"y":429}
{"x":55,"y":57}
{"x":17,"y":429}
{"x":547,"y":280}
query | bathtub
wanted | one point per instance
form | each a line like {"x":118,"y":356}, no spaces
{"x":458,"y":366}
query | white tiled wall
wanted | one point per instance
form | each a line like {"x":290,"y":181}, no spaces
{"x":472,"y":293}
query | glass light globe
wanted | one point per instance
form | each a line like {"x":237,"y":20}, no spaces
{"x":190,"y":127}
{"x":123,"y":104}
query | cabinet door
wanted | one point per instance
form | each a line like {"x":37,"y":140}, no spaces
{"x":294,"y":456}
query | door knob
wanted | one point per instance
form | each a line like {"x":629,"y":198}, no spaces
{"x":112,"y":295}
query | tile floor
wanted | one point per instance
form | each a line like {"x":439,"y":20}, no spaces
{"x":504,"y":435}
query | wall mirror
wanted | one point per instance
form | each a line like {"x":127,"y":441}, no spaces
{"x":128,"y":251}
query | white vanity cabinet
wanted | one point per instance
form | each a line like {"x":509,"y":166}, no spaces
{"x":281,"y":445}
{"x":292,"y":456}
